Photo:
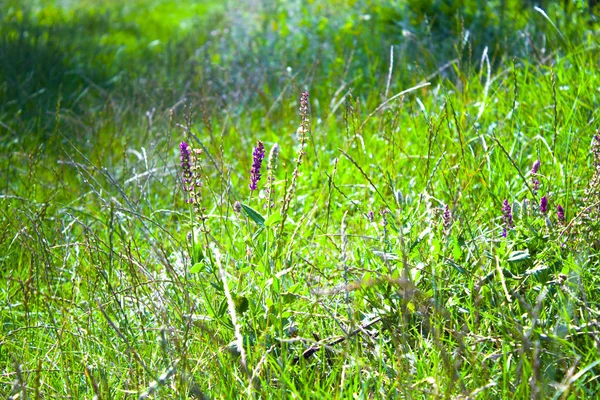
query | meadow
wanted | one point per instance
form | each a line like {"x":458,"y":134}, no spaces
{"x":299,"y":199}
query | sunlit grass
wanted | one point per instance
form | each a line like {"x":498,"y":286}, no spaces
{"x":381,"y":269}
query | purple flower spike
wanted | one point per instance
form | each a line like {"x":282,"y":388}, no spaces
{"x":544,"y":205}
{"x":257,"y":157}
{"x":536,"y":167}
{"x":507,"y":213}
{"x":507,"y":216}
{"x":536,"y":186}
{"x":560,"y":213}
{"x":186,"y":169}
{"x":184,"y":151}
{"x":447,"y":217}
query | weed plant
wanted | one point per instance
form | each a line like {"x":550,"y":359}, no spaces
{"x":289,"y":200}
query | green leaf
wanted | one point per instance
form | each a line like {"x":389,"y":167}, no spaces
{"x":456,"y":266}
{"x":196,"y":268}
{"x":457,"y":251}
{"x":253,"y":215}
{"x":257,"y":233}
{"x":198,"y":255}
{"x":273,"y":219}
{"x":516,"y":256}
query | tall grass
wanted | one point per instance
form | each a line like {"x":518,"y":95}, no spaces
{"x":399,"y":246}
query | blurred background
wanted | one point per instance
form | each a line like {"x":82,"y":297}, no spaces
{"x":144,"y":57}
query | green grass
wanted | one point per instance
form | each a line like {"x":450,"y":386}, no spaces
{"x":113,"y":286}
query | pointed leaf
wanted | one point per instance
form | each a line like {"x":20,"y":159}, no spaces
{"x":253,"y":215}
{"x":520,"y":255}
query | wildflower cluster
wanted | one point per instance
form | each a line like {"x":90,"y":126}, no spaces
{"x":191,"y":177}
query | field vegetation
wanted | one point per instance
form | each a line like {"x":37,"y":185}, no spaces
{"x":299,"y":199}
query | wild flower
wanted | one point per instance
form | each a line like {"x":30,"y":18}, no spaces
{"x":544,"y":205}
{"x":192,"y":179}
{"x":507,"y":217}
{"x":535,"y":168}
{"x":237,"y":207}
{"x":587,"y":224}
{"x":593,"y":190}
{"x":447,"y":218}
{"x":303,"y":131}
{"x":371,"y":216}
{"x":186,"y":172}
{"x":560,"y":214}
{"x":384,"y":212}
{"x":257,"y":158}
{"x":536,"y":186}
{"x":304,"y":115}
{"x":271,"y":167}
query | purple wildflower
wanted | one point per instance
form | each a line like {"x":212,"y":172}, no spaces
{"x":192,"y":180}
{"x":371,"y":216}
{"x":507,"y":216}
{"x":544,"y":205}
{"x":237,"y":207}
{"x":560,"y":213}
{"x":447,"y":217}
{"x":257,"y":157}
{"x":186,"y":168}
{"x":536,"y":167}
{"x":534,"y":171}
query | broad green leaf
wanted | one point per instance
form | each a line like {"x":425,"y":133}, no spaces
{"x":273,"y":219}
{"x":253,"y":215}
